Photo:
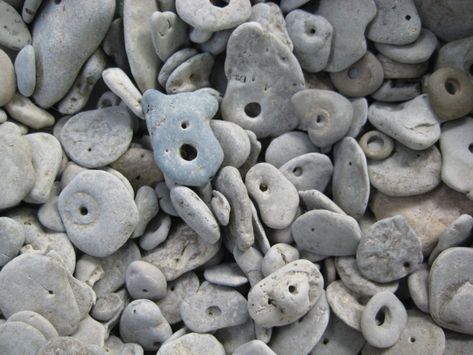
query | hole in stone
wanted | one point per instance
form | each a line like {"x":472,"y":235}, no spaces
{"x":185,"y":125}
{"x":145,"y":290}
{"x":270,"y":301}
{"x":263,"y":187}
{"x":471,"y":69}
{"x":380,"y":317}
{"x":297,"y":171}
{"x":451,"y":86}
{"x":50,"y":292}
{"x":57,"y":1}
{"x":412,"y":340}
{"x":292,"y":289}
{"x":89,"y":150}
{"x":177,"y":260}
{"x":84,"y":211}
{"x":310,"y":30}
{"x":138,"y":177}
{"x":349,"y":163}
{"x":325,"y":341}
{"x":253,"y":109}
{"x":171,"y":288}
{"x":214,"y":311}
{"x":408,"y":17}
{"x":312,"y":229}
{"x":188,"y":152}
{"x":375,"y":143}
{"x":219,"y":3}
{"x":134,"y":311}
{"x":142,"y":156}
{"x":407,"y":265}
{"x":354,"y":73}
{"x":470,"y":148}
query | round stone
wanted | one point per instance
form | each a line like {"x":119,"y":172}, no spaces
{"x":277,"y":256}
{"x":63,"y":345}
{"x":345,"y":303}
{"x":144,"y":280}
{"x":227,"y":274}
{"x":376,"y":145}
{"x":20,"y":338}
{"x":12,"y":237}
{"x":7,"y":78}
{"x":193,"y":344}
{"x":288,"y":146}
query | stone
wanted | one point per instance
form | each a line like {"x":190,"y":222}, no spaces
{"x":191,"y":75}
{"x":288,"y":146}
{"x":25,"y":69}
{"x":362,"y":78}
{"x":12,"y":237}
{"x":217,"y":44}
{"x":255,"y":150}
{"x":393,"y":315}
{"x":82,"y":26}
{"x":233,"y":337}
{"x":348,"y":44}
{"x":142,"y":322}
{"x":275,"y":195}
{"x":156,"y":232}
{"x":316,"y":200}
{"x":220,"y":208}
{"x":456,"y":54}
{"x":30,"y":7}
{"x":164,"y":198}
{"x":339,"y":339}
{"x":227,"y":274}
{"x":256,"y":347}
{"x":234,"y":141}
{"x":62,"y":344}
{"x":26,"y":112}
{"x":114,"y":43}
{"x":419,"y":51}
{"x":213,"y":307}
{"x":449,"y":292}
{"x":193,"y":344}
{"x":16,"y":167}
{"x":420,"y":127}
{"x":312,"y":38}
{"x":449,"y":92}
{"x":397,"y":70}
{"x":352,"y":278}
{"x":90,"y":332}
{"x":80,"y":92}
{"x":144,"y":280}
{"x":96,"y":203}
{"x":457,"y":343}
{"x":51,"y":295}
{"x":277,"y":256}
{"x":173,"y":62}
{"x":418,"y":285}
{"x":182,"y":251}
{"x":286,"y":295}
{"x":107,"y":307}
{"x":420,"y":336}
{"x":188,"y":153}
{"x":147,"y":204}
{"x":345,"y":304}
{"x":308,"y":171}
{"x":250,"y":262}
{"x":206,"y":16}
{"x":406,"y":172}
{"x":144,"y":63}
{"x":397,"y":90}
{"x":324,"y":114}
{"x":326,"y":233}
{"x":301,"y":336}
{"x":396,"y":23}
{"x":360,"y":116}
{"x":376,"y":146}
{"x":37,"y":321}
{"x":168,"y":32}
{"x":260,"y":102}
{"x":20,"y":338}
{"x":195,"y":213}
{"x":389,"y":250}
{"x":182,"y":288}
{"x":14,"y":34}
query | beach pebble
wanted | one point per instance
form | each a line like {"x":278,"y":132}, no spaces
{"x":288,"y":146}
{"x":220,"y":207}
{"x":234,"y":142}
{"x":254,"y":347}
{"x":457,"y":343}
{"x":7,"y":78}
{"x":85,"y":209}
{"x":345,"y":304}
{"x":168,"y":32}
{"x":35,"y":320}
{"x":376,"y":146}
{"x":316,"y":200}
{"x":193,"y":344}
{"x":397,"y":90}
{"x":227,"y":274}
{"x":397,"y":70}
{"x":12,"y":237}
{"x":360,"y":116}
{"x":14,"y":34}
{"x":456,"y":54}
{"x":156,"y":231}
{"x":250,"y":262}
{"x":389,"y":250}
{"x":277,"y":256}
{"x":286,"y":295}
{"x":25,"y":69}
{"x":147,"y":204}
{"x":20,"y":338}
{"x":418,"y":285}
{"x":26,"y":112}
{"x":191,"y":75}
{"x":144,"y":280}
{"x":107,"y":307}
{"x":173,"y":62}
{"x":63,"y":344}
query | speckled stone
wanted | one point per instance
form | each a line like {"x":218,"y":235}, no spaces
{"x":14,"y":34}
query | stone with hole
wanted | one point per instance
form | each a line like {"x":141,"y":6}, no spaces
{"x":191,"y":75}
{"x":376,"y":145}
{"x":144,"y":280}
{"x":288,"y":146}
{"x":277,"y":256}
{"x":168,"y":32}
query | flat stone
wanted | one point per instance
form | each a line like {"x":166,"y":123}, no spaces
{"x":63,"y":345}
{"x":193,"y":344}
{"x":11,"y":240}
{"x":191,"y":75}
{"x":360,"y":116}
{"x":107,"y":307}
{"x":418,"y":285}
{"x":277,"y":256}
{"x":227,"y":274}
{"x":250,"y":262}
{"x":456,"y":54}
{"x":148,"y":207}
{"x":233,"y":337}
{"x":173,"y":62}
{"x":20,"y":338}
{"x":287,"y":146}
{"x":316,"y":200}
{"x":14,"y":34}
{"x":234,"y":141}
{"x":389,"y":250}
{"x":82,"y":27}
{"x":260,"y":102}
{"x":220,"y":208}
{"x":326,"y":233}
{"x":144,"y":280}
{"x":37,"y":321}
{"x":26,"y":112}
{"x":168,"y":32}
{"x":25,"y":69}
{"x":7,"y":77}
{"x":345,"y":304}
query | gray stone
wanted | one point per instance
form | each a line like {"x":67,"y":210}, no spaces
{"x":7,"y":78}
{"x":156,"y":232}
{"x":193,"y":344}
{"x":93,"y":204}
{"x":260,"y":102}
{"x":387,"y":331}
{"x":254,"y":347}
{"x":286,"y":295}
{"x":82,"y":26}
{"x":107,"y":307}
{"x":261,"y":237}
{"x":97,"y":138}
{"x":326,"y":233}
{"x":308,"y":171}
{"x":177,"y":291}
{"x":455,"y":143}
{"x":144,"y":280}
{"x":142,"y":322}
{"x":457,"y":343}
{"x":114,"y":43}
{"x":30,"y":7}
{"x":14,"y":34}
{"x":250,"y":262}
{"x":220,"y":207}
{"x":316,"y":200}
{"x":288,"y":146}
{"x":277,"y":256}
{"x":349,"y":42}
{"x":168,"y":32}
{"x":254,"y":153}
{"x":144,"y":63}
{"x":377,"y":146}
{"x":418,"y":52}
{"x":182,"y":251}
{"x":173,"y":62}
{"x":206,"y":16}
{"x":213,"y":307}
{"x":389,"y":250}
{"x":90,"y":332}
{"x":345,"y":304}
{"x":350,"y":180}
{"x":234,"y":141}
{"x":191,"y":75}
{"x":351,"y":277}
{"x":301,"y":336}
{"x":397,"y":22}
{"x":37,"y":321}
{"x":412,"y":123}
{"x":275,"y":195}
{"x":26,"y":112}
{"x":324,"y":114}
{"x":164,"y":198}
{"x":456,"y":54}
{"x":147,"y":204}
{"x":25,"y":69}
{"x":397,"y":70}
{"x":397,"y":90}
{"x":406,"y":172}
{"x":226,"y":274}
{"x":418,"y":284}
{"x":184,"y":145}
{"x":20,"y":338}
{"x":312,"y":38}
{"x":360,"y":116}
{"x":12,"y":237}
{"x":217,"y":44}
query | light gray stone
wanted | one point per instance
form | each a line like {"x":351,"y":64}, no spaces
{"x":168,"y":32}
{"x":14,"y":34}
{"x":26,"y":112}
{"x":25,"y":69}
{"x":20,"y":338}
{"x":345,"y":304}
{"x":277,"y":256}
{"x":226,"y":274}
{"x":191,"y":75}
{"x":147,"y":204}
{"x":12,"y":237}
{"x":193,"y":344}
{"x":418,"y":285}
{"x":144,"y":280}
{"x":288,"y":146}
